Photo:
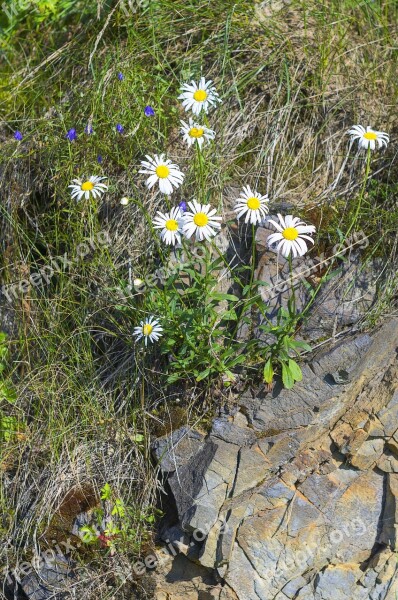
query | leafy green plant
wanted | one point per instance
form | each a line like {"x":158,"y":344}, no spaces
{"x":200,"y":324}
{"x":116,"y":525}
{"x":197,"y":325}
{"x":282,"y":352}
{"x":9,"y":425}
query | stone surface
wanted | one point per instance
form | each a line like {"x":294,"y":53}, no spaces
{"x":341,"y":302}
{"x":344,"y":299}
{"x":367,"y":454}
{"x":172,"y":451}
{"x":296,"y":490}
{"x":52,"y":580}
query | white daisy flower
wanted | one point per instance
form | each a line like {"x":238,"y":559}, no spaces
{"x":170,"y":224}
{"x":149,"y":328}
{"x":124,"y":201}
{"x":163,"y":171}
{"x":193,"y":132}
{"x":253,"y":204}
{"x":91,"y":186}
{"x":197,"y":97}
{"x":291,"y":235}
{"x":200,"y":220}
{"x":368,"y":138}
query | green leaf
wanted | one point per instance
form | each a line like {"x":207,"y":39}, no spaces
{"x":8,"y":427}
{"x":295,"y":370}
{"x":119,"y":509}
{"x":299,"y":344}
{"x":106,"y":492}
{"x":89,"y":534}
{"x":173,"y":378}
{"x":238,"y":360}
{"x":268,"y":372}
{"x":203,"y":375}
{"x":287,"y":377}
{"x":230,"y":315}
{"x":7,"y":393}
{"x":220,"y":296}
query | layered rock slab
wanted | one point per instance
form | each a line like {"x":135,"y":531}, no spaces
{"x":296,"y":490}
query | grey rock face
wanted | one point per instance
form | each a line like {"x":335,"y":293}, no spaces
{"x":297,"y":490}
{"x":344,"y":299}
{"x":176,"y":449}
{"x":50,"y":581}
{"x":341,"y":302}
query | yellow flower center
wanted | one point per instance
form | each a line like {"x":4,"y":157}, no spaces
{"x":196,"y":132}
{"x":87,"y":186}
{"x":370,"y":135}
{"x":171,"y":225}
{"x":200,"y":95}
{"x":253,"y":203}
{"x":147,"y":329}
{"x":200,"y":219}
{"x":290,"y":233}
{"x":162,"y":171}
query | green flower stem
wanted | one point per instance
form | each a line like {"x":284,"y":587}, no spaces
{"x":253,"y":265}
{"x":292,"y":284}
{"x":200,"y":162}
{"x":362,"y":193}
{"x":350,"y":228}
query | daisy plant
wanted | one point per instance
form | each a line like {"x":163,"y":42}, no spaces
{"x":194,"y":133}
{"x":368,"y":138}
{"x":252,"y":205}
{"x":292,"y":236}
{"x":163,"y":172}
{"x":149,"y":329}
{"x":91,"y":187}
{"x":170,"y":225}
{"x":199,"y":96}
{"x":201,"y":221}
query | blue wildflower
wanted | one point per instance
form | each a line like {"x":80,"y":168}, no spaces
{"x":99,"y":159}
{"x":149,"y":112}
{"x":71,"y":135}
{"x":120,"y":76}
{"x":119,"y":128}
{"x":18,"y":136}
{"x":89,"y":129}
{"x":182,"y":206}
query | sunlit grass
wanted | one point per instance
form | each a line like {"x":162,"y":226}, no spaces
{"x":292,"y":82}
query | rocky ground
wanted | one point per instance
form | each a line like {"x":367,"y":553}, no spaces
{"x":293,"y":493}
{"x":296,"y":491}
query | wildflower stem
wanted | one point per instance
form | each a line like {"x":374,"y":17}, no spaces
{"x":350,"y":228}
{"x":362,"y":192}
{"x":293,"y":296}
{"x":200,"y":169}
{"x":253,"y":265}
